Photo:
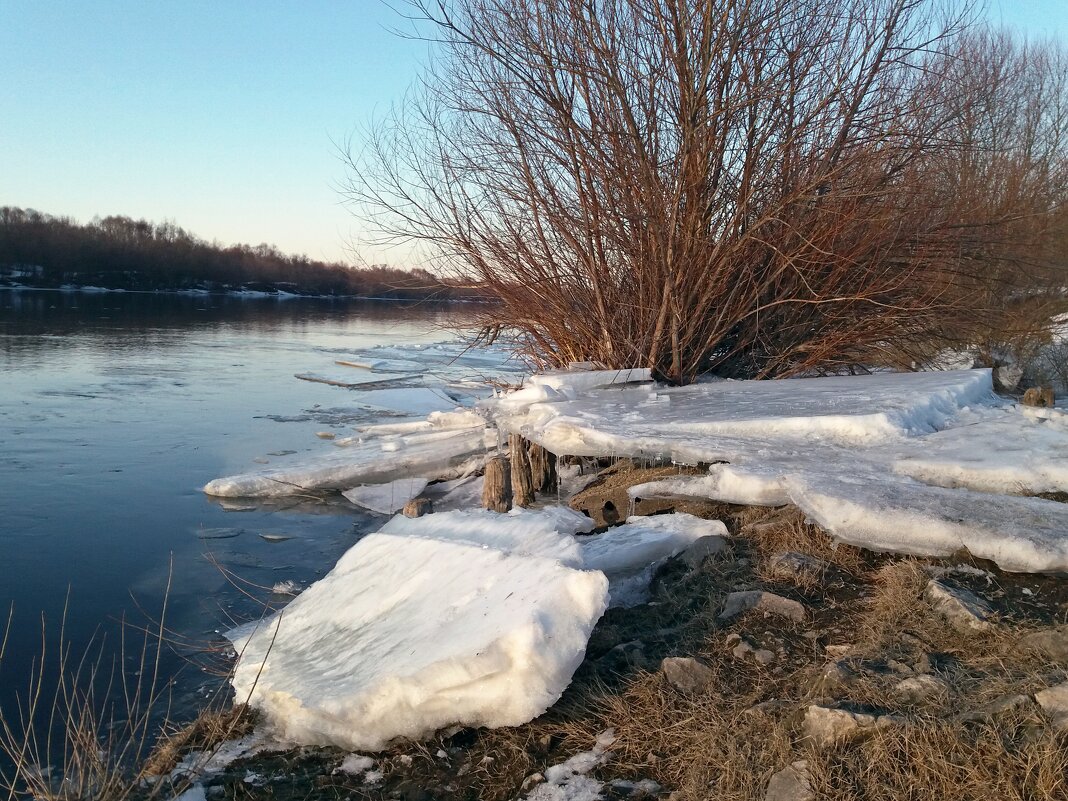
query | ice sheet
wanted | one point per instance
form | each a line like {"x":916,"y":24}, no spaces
{"x":408,"y":635}
{"x":545,"y":533}
{"x":386,"y":498}
{"x":710,"y":421}
{"x":372,"y":460}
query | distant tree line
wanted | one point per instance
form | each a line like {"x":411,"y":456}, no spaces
{"x":119,"y":252}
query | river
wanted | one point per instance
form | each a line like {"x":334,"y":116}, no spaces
{"x":115,"y":409}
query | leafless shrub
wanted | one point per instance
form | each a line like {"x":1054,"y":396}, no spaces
{"x":759,"y":188}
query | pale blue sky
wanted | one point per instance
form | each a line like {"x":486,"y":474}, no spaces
{"x":218,"y":115}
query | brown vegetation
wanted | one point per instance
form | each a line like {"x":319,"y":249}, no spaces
{"x":756,"y":188}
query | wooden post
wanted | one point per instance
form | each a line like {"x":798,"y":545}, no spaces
{"x":522,"y":484}
{"x":497,"y":486}
{"x":542,"y":468}
{"x":417,"y":507}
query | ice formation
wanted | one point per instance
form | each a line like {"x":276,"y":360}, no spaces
{"x":408,"y":634}
{"x":446,"y":445}
{"x":922,"y":463}
{"x":386,"y":498}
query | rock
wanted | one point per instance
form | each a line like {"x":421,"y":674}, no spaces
{"x":745,"y":649}
{"x":771,"y":707}
{"x":837,"y":651}
{"x":1007,"y":377}
{"x":417,"y":507}
{"x":798,"y":567}
{"x":835,"y":675}
{"x":1050,"y":643}
{"x":921,"y":688}
{"x":1039,"y":396}
{"x":703,"y":549}
{"x":825,"y":727}
{"x":767,"y":602}
{"x":1054,"y":702}
{"x":962,"y":609}
{"x":686,"y":675}
{"x":1003,"y":705}
{"x":791,"y":784}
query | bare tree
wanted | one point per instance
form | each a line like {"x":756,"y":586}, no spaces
{"x":759,"y":187}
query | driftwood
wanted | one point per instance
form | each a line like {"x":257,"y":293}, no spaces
{"x":542,"y":468}
{"x":497,"y":486}
{"x":417,"y":507}
{"x":522,"y":484}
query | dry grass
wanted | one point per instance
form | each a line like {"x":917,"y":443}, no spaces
{"x":210,"y":729}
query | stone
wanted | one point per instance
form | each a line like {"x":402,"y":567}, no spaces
{"x":963,"y":610}
{"x":924,"y":687}
{"x":1039,"y":396}
{"x":745,"y":649}
{"x":703,"y":549}
{"x":767,"y":602}
{"x":1054,"y":702}
{"x":1007,"y":377}
{"x":417,"y":507}
{"x":1050,"y":643}
{"x":798,"y":567}
{"x":1002,"y":705}
{"x":835,"y":675}
{"x":686,"y":675}
{"x":837,"y":651}
{"x":793,"y":783}
{"x":825,"y":727}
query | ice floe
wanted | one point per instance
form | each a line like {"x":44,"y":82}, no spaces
{"x":923,"y":463}
{"x":445,"y":446}
{"x":386,"y":498}
{"x":407,"y":635}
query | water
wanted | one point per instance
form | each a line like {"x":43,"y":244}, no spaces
{"x":116,"y":408}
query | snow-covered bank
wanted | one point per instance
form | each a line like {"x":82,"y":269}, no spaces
{"x":920,"y":463}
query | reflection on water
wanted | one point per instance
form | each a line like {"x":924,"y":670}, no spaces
{"x":116,"y":408}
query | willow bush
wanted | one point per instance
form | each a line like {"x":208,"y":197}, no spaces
{"x":753,"y":187}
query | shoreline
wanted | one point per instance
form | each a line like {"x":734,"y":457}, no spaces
{"x":230,"y":293}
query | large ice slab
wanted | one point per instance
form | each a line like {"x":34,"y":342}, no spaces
{"x":995,"y":450}
{"x":408,"y":635}
{"x":545,"y":532}
{"x":644,"y":541}
{"x":904,"y":516}
{"x":428,"y":452}
{"x":727,"y":419}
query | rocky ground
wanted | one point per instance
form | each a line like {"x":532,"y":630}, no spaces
{"x":769,"y":666}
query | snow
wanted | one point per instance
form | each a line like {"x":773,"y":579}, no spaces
{"x":921,"y":463}
{"x":409,"y":634}
{"x":575,"y":381}
{"x":643,"y":540}
{"x":570,"y":780}
{"x":711,"y":421}
{"x":386,"y":498}
{"x":545,"y":533}
{"x":355,"y":764}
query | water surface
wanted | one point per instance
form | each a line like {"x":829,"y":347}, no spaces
{"x":115,"y":409}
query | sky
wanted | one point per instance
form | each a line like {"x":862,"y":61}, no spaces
{"x":223,"y":117}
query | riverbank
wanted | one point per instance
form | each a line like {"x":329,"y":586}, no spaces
{"x":803,"y":654}
{"x":854,"y":674}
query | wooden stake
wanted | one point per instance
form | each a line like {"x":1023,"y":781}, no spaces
{"x":497,"y":486}
{"x":522,"y":484}
{"x":542,"y":468}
